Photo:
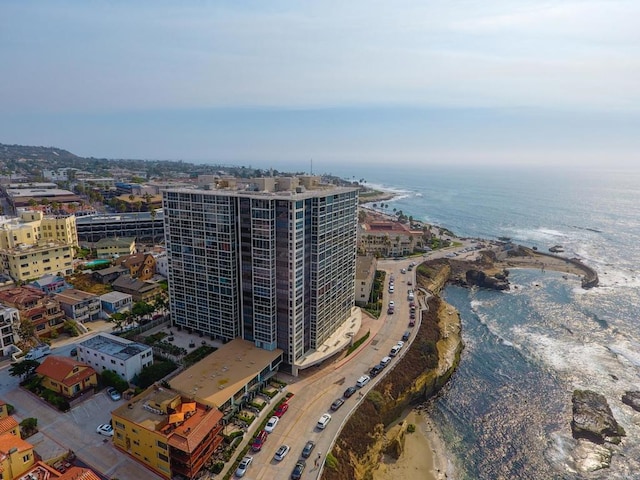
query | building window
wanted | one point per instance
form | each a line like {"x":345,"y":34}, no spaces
{"x":26,"y":458}
{"x":162,"y":457}
{"x":161,"y":445}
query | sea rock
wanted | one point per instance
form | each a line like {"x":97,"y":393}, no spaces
{"x":589,"y":457}
{"x":481,"y":279}
{"x":632,"y":399}
{"x":593,"y":420}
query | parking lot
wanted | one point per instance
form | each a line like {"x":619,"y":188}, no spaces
{"x":76,"y":430}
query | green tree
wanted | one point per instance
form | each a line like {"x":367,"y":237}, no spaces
{"x":112,"y":379}
{"x":26,"y":329}
{"x":24,"y":369}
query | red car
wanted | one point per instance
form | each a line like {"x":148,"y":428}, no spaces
{"x":412,"y":322}
{"x":282,"y":409}
{"x":258,"y":442}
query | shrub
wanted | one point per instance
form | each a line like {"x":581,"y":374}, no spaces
{"x":411,"y":428}
{"x":152,"y":373}
{"x":29,"y":426}
{"x":331,"y":461}
{"x":197,"y":355}
{"x":217,"y":467}
{"x":112,"y":379}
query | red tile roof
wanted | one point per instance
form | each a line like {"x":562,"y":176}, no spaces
{"x":77,"y":473}
{"x":60,"y":369}
{"x":9,"y":441}
{"x":7,"y":424}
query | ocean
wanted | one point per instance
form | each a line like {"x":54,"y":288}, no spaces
{"x":506,"y":412}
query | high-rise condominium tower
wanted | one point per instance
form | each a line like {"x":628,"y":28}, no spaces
{"x":274,"y":267}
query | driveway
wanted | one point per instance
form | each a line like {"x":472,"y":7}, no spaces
{"x":76,"y":430}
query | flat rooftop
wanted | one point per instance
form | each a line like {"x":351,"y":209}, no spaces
{"x":217,"y":377}
{"x":114,"y":346}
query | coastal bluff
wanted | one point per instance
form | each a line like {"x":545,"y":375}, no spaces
{"x":425,"y":367}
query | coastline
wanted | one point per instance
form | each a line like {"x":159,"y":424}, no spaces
{"x":424,"y":455}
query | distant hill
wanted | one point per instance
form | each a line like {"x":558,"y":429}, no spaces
{"x":17,"y":152}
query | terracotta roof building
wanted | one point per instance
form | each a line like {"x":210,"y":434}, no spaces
{"x":66,"y":376}
{"x":16,"y":456}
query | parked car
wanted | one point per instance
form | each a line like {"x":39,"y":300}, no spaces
{"x":400,"y":344}
{"x":362,"y":381}
{"x":258,"y":442}
{"x":281,"y":452}
{"x":308,"y":448}
{"x":375,"y":370}
{"x":349,"y":391}
{"x":113,"y":394}
{"x":298,"y":469}
{"x":385,"y":361}
{"x":391,"y":304}
{"x":243,"y":466}
{"x":323,"y":421}
{"x":281,"y":409}
{"x":412,"y":316}
{"x":337,"y":403}
{"x":406,"y":335}
{"x":394,"y":351}
{"x":412,"y":322}
{"x":105,"y":429}
{"x":271,"y":424}
{"x":403,"y":270}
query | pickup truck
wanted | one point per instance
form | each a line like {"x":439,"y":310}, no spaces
{"x":38,"y":352}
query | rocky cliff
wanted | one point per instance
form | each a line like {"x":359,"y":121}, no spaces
{"x":420,"y":373}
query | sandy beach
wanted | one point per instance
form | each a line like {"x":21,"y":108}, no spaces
{"x":424,"y":454}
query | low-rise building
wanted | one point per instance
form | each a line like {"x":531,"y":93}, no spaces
{"x":109,"y":274}
{"x":144,"y":226}
{"x":141,"y":291}
{"x":78,"y":305}
{"x":162,"y":263}
{"x":113,"y":247}
{"x":109,"y":352}
{"x":365,"y":276}
{"x":10,"y":425}
{"x":36,"y":308}
{"x":51,"y":284}
{"x":140,"y":265}
{"x":66,"y":376}
{"x":116,"y":302}
{"x":169,"y":433}
{"x":388,"y":238}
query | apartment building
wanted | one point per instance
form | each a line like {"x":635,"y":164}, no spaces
{"x":109,"y":352}
{"x":365,"y":275}
{"x":144,"y":226}
{"x":169,"y":433}
{"x":33,"y":245}
{"x":113,"y":247}
{"x":275,"y":265}
{"x":9,"y":323}
{"x":78,"y":305}
{"x":36,"y":308}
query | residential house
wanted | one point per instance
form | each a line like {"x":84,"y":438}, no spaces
{"x":9,"y":324}
{"x":109,"y":352}
{"x":10,"y":425}
{"x":78,"y":305}
{"x":140,"y":265}
{"x":365,"y":275}
{"x":51,"y":284}
{"x":140,"y":291}
{"x":16,"y":456}
{"x":42,"y":471}
{"x":66,"y":376}
{"x":108,"y":275}
{"x":113,"y":247}
{"x":116,"y":302}
{"x":169,"y":433}
{"x":35,"y":307}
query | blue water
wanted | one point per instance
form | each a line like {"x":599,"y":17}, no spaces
{"x":506,"y":412}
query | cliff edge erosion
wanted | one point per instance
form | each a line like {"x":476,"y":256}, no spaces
{"x":426,"y":366}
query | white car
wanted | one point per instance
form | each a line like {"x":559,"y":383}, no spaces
{"x":400,"y":343}
{"x":363,"y":380}
{"x":282,"y":452}
{"x":324,"y":421}
{"x":243,"y":466}
{"x":105,"y":429}
{"x":271,"y":424}
{"x":391,"y":304}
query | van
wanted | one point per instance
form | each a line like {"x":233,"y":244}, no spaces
{"x":362,"y":381}
{"x":38,"y":352}
{"x":394,"y":351}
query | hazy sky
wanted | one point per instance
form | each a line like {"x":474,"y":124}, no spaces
{"x":337,"y":81}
